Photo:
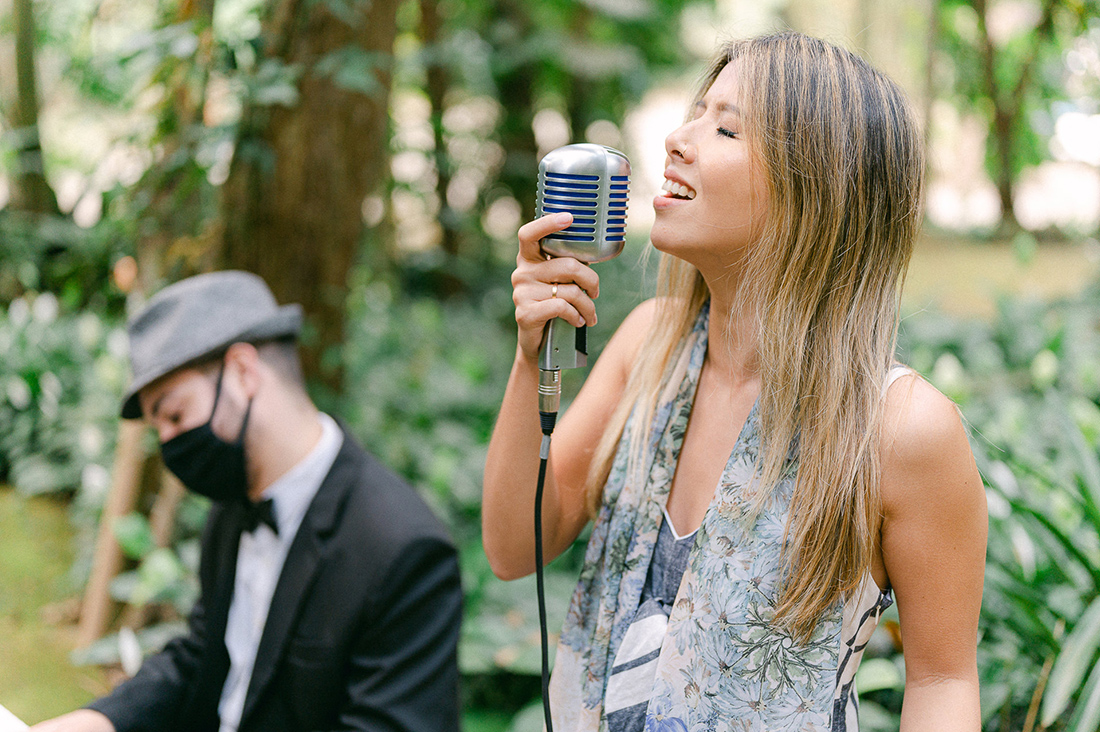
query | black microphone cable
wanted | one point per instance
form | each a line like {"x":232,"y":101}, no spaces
{"x":549,"y":398}
{"x":591,"y":183}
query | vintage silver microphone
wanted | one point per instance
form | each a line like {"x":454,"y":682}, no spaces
{"x":591,"y":182}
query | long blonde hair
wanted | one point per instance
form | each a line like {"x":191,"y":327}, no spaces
{"x":842,"y":157}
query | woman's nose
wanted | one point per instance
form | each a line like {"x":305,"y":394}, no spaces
{"x":678,"y":145}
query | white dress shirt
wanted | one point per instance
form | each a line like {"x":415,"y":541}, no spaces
{"x":260,"y":562}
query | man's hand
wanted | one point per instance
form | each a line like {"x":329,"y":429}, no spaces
{"x":82,"y":720}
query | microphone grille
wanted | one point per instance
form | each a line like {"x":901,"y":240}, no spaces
{"x":592,"y":183}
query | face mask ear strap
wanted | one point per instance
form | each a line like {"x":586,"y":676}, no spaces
{"x":217,"y":396}
{"x":217,"y":390}
{"x":244,"y":424}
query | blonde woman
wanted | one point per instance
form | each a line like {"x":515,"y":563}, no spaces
{"x":764,"y":478}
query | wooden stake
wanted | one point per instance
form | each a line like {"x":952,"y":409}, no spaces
{"x":107,"y":561}
{"x":162,"y":523}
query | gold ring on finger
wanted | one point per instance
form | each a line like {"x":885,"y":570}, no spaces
{"x":554,"y":290}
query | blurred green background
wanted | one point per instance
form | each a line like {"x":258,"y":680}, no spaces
{"x":373,"y":159}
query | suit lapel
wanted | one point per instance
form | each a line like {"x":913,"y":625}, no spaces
{"x":298,"y":571}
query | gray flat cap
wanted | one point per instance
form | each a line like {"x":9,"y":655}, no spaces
{"x":198,"y":317}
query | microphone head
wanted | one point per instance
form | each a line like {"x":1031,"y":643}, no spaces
{"x":591,"y":182}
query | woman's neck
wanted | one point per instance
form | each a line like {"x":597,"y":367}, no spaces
{"x":732,"y":341}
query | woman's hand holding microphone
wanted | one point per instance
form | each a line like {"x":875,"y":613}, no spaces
{"x":545,"y":288}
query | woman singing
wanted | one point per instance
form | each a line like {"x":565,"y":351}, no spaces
{"x":764,"y":477}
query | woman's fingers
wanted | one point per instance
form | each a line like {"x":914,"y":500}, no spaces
{"x":538,"y":302}
{"x":560,"y":270}
{"x":531,"y":233}
{"x":546,"y":288}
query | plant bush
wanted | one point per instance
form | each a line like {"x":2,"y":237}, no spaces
{"x":1028,"y":385}
{"x":425,"y":378}
{"x":61,"y":379}
{"x":53,"y":254}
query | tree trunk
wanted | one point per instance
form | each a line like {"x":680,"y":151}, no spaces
{"x":1008,"y":105}
{"x":1002,"y":123}
{"x":515,"y":86}
{"x":293,"y":200}
{"x":436,"y":88}
{"x":175,"y":209}
{"x":31,"y":190}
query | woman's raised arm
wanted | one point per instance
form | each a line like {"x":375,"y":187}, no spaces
{"x":544,"y":289}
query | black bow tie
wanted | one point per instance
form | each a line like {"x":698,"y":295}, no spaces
{"x":260,"y":513}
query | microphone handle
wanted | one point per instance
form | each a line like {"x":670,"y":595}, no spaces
{"x":564,"y":346}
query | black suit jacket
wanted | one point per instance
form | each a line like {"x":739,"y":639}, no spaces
{"x":362,"y":630}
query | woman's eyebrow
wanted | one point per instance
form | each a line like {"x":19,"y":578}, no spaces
{"x":720,"y":107}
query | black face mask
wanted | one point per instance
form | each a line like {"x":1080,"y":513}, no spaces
{"x":207,"y":464}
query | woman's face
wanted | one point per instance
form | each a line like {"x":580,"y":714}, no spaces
{"x":715,"y":197}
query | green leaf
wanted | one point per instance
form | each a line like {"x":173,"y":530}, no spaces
{"x":275,"y":84}
{"x":876,"y":718}
{"x":1072,"y":663}
{"x":1086,"y":718}
{"x":875,"y":674}
{"x":1086,"y":455}
{"x":159,"y":575}
{"x":529,"y":719}
{"x":134,"y":535}
{"x":1062,"y":538}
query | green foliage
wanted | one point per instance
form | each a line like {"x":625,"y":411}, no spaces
{"x":61,"y":379}
{"x":1014,"y":69}
{"x":425,"y":382}
{"x":1028,"y":384}
{"x":167,"y":575}
{"x":426,"y":379}
{"x":134,"y":535}
{"x":1071,"y":666}
{"x":486,"y":70}
{"x":355,"y":70}
{"x":431,"y":334}
{"x":52,"y":254}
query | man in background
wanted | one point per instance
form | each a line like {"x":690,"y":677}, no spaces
{"x":330,"y":594}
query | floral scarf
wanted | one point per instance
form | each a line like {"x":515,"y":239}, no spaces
{"x":722,"y":665}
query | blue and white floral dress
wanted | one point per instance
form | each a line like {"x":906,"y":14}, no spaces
{"x":718,"y":663}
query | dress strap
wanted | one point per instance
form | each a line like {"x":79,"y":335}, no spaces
{"x":896,"y":371}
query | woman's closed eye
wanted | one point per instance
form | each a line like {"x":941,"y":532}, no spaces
{"x":725,"y":132}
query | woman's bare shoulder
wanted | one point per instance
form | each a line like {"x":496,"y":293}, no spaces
{"x":925,"y":453}
{"x":641,"y":317}
{"x":627,"y":341}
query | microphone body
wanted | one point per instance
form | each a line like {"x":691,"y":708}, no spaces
{"x":591,"y":182}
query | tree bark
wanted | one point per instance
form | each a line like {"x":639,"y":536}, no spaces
{"x":515,"y":86}
{"x":1008,"y":105}
{"x":31,"y":192}
{"x":292,"y":203}
{"x":1002,"y":123}
{"x":436,"y":84}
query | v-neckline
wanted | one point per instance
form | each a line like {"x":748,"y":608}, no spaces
{"x":676,"y":436}
{"x":676,"y":536}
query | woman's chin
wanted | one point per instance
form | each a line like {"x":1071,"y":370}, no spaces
{"x":666,"y":242}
